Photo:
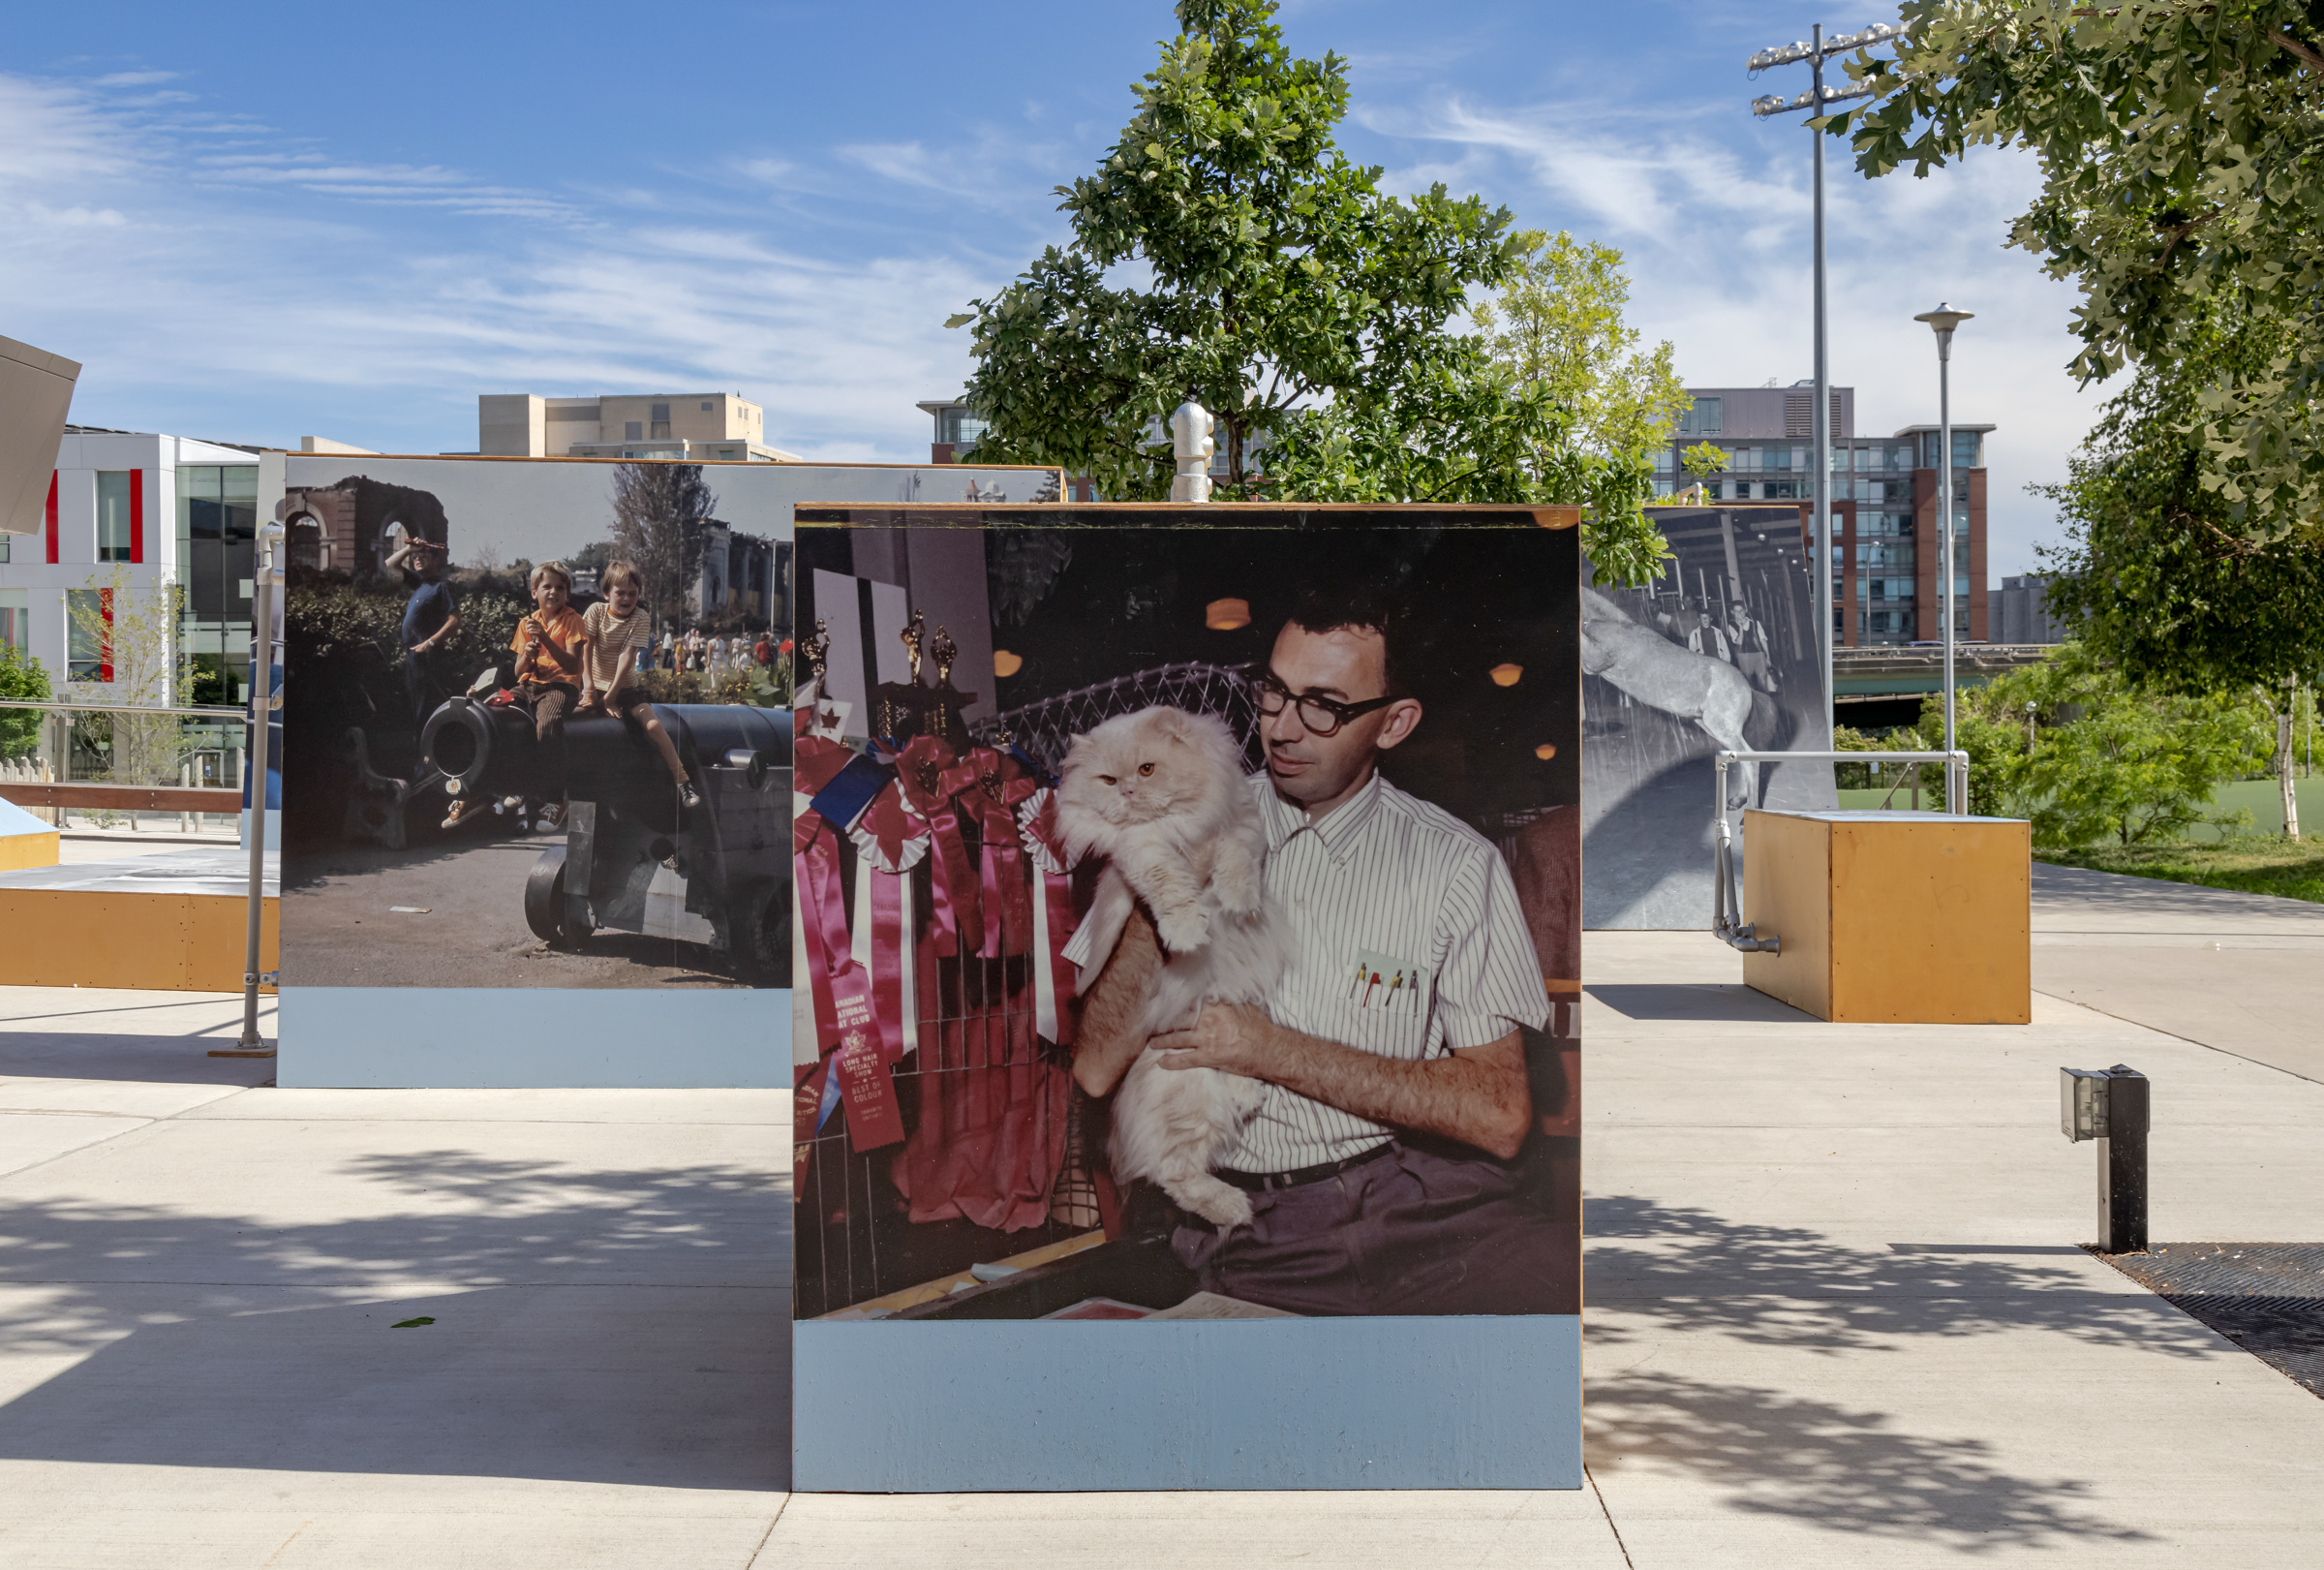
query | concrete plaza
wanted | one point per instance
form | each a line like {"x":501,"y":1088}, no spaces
{"x":1836,"y":1311}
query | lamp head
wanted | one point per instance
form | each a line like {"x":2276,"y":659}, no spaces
{"x":1942,"y":321}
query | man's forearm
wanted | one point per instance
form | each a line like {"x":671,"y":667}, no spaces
{"x":1479,"y":1097}
{"x":1109,"y":1041}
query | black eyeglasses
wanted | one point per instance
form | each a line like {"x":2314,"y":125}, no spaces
{"x":1320,"y":716}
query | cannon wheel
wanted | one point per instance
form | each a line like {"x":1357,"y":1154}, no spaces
{"x":762,"y":955}
{"x":544,"y":900}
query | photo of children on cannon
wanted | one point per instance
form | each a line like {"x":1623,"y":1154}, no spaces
{"x":1188,"y":912}
{"x":538,"y":724}
{"x":1717,"y":654}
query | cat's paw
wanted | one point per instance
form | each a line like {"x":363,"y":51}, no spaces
{"x":1183,"y":931}
{"x":1221,"y":1205}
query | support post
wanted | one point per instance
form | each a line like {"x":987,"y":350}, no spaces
{"x":1828,"y":556}
{"x":2123,"y":1163}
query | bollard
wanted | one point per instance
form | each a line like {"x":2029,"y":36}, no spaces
{"x":2112,"y":1106}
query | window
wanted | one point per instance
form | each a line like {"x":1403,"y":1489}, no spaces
{"x":16,"y":618}
{"x":1703,"y":420}
{"x":117,"y":517}
{"x":217,"y":521}
{"x":708,"y":406}
{"x":1965,"y":449}
{"x":4,"y":538}
{"x":634,"y":430}
{"x":88,"y":634}
{"x":661,"y":421}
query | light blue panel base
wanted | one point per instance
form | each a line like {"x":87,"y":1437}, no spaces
{"x":497,"y":1037}
{"x":274,"y":830}
{"x":1000,"y":1405}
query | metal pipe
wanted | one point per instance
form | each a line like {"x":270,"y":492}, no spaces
{"x":120,"y":708}
{"x":1944,"y":540}
{"x":266,"y":583}
{"x":1828,"y":556}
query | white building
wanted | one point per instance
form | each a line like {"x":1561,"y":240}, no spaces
{"x":141,"y":510}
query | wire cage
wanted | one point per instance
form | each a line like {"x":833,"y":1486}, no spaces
{"x":1045,"y":729}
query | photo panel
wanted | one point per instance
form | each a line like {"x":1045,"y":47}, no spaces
{"x":988,"y":936}
{"x":1716,"y":653}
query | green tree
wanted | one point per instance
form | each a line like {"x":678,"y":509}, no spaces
{"x":1558,"y":326}
{"x":2153,"y":575}
{"x":2179,"y":142}
{"x":2107,"y":760}
{"x":658,"y":513}
{"x":21,"y":677}
{"x":136,"y":631}
{"x":1227,"y":248}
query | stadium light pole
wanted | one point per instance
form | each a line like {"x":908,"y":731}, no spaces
{"x":1816,"y":50}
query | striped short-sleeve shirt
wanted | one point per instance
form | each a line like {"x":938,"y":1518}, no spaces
{"x":608,"y":635}
{"x":1410,"y":944}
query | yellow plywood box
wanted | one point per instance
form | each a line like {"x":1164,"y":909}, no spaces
{"x":1920,"y":919}
{"x":172,"y":942}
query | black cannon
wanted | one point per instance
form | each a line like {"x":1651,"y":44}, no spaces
{"x":634,"y":858}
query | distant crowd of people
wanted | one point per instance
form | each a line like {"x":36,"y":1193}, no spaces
{"x":711,"y":655}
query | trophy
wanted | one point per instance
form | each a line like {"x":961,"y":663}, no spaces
{"x":900,"y":709}
{"x":816,"y":650}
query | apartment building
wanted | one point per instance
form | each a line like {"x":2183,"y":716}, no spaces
{"x":1884,"y":509}
{"x":697,"y":427}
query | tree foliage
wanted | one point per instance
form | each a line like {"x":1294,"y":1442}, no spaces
{"x":21,"y":677}
{"x":2154,"y":576}
{"x":1559,"y":326}
{"x":2179,"y":142}
{"x":2107,"y":760}
{"x":658,"y":510}
{"x":1228,"y":249}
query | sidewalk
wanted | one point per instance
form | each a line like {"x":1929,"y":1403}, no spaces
{"x":1837,"y":1316}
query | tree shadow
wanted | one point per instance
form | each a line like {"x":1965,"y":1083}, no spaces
{"x":1840,"y":1470}
{"x":1684,"y":1271}
{"x":624,"y":1326}
{"x":1695,"y":1272}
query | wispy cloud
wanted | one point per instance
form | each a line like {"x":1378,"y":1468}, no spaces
{"x":1717,"y":237}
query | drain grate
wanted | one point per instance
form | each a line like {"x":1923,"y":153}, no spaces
{"x":2268,"y":1297}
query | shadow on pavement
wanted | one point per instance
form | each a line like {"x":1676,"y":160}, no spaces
{"x":152,"y":1059}
{"x":623,"y":1327}
{"x":1687,"y":1271}
{"x":1705,"y":1002}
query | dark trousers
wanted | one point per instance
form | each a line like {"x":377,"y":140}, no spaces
{"x":422,"y":685}
{"x":549,"y":703}
{"x":1409,"y":1232}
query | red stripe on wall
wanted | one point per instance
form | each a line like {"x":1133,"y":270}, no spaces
{"x":52,"y":476}
{"x":137,"y":515}
{"x":105,"y":645}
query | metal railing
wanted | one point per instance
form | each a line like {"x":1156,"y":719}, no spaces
{"x":133,"y":764}
{"x":1727,"y":902}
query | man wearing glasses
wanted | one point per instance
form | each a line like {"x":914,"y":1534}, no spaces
{"x":1396,"y":1074}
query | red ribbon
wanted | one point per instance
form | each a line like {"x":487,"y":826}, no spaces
{"x":1057,"y":896}
{"x":920,"y":771}
{"x":888,"y":958}
{"x":816,"y":761}
{"x":838,"y":982}
{"x":989,"y":786}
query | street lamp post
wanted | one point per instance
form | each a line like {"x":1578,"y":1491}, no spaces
{"x":1816,"y":52}
{"x":1942,"y":321}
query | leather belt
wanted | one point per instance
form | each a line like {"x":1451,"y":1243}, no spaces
{"x":1266,"y":1181}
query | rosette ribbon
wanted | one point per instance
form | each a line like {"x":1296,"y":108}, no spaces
{"x":989,"y":786}
{"x":890,"y":840}
{"x":1053,"y":980}
{"x":846,"y":1036}
{"x":919,"y":772}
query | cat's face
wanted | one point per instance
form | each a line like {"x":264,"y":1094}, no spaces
{"x":1136,"y":768}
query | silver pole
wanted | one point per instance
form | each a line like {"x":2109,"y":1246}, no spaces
{"x":1945,"y":517}
{"x":264,"y":588}
{"x":1828,"y":556}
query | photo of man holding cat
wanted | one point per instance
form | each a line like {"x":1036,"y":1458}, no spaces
{"x":1392,"y":1055}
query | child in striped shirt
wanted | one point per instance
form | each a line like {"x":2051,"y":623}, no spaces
{"x":617,"y":633}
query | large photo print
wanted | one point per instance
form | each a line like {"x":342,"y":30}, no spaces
{"x":538,"y":724}
{"x":1188,"y":909}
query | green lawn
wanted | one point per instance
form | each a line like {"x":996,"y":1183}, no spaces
{"x":2256,"y":866}
{"x":2256,"y":859}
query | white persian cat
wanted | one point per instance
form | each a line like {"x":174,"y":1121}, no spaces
{"x":1161,"y":794}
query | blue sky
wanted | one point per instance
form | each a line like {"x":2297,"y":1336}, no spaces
{"x":273,"y":221}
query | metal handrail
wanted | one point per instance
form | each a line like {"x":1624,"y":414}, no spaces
{"x":1727,"y":903}
{"x":236,"y":712}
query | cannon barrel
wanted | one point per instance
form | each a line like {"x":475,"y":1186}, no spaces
{"x":488,"y":751}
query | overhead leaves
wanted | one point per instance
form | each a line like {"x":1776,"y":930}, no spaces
{"x":1226,"y":248}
